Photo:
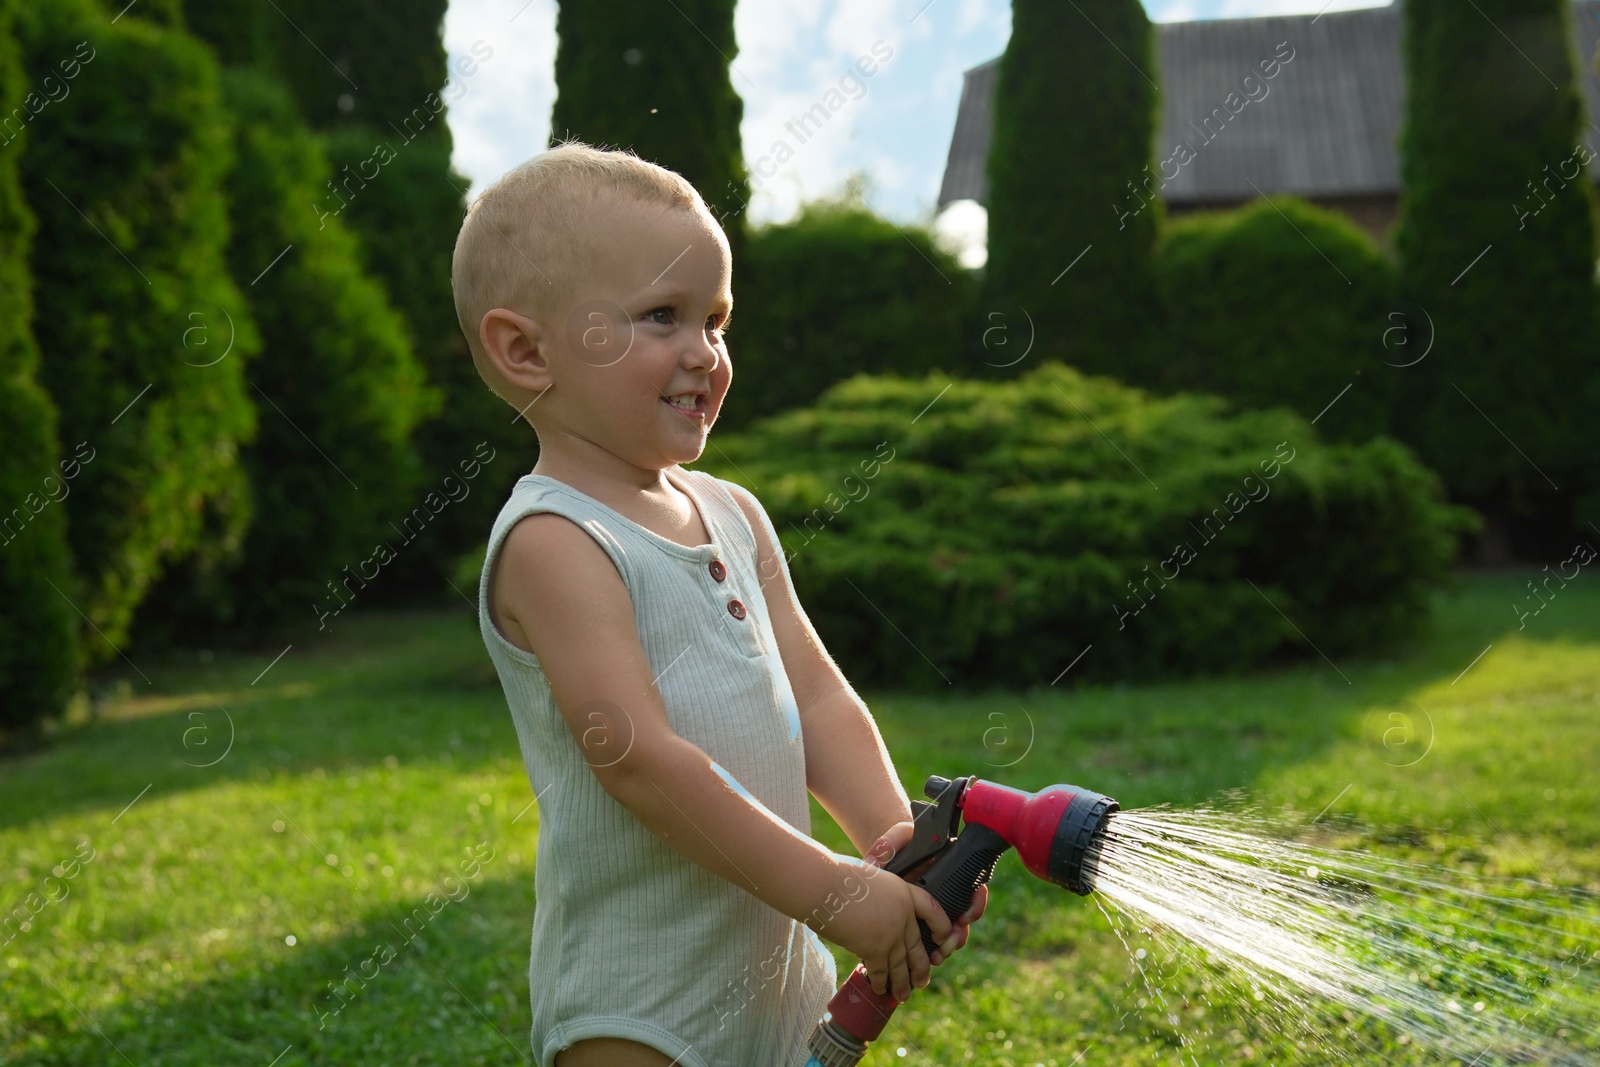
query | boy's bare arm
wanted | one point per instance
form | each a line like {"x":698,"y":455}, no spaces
{"x":848,"y":768}
{"x":567,"y":598}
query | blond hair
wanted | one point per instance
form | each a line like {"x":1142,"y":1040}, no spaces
{"x":521,"y":241}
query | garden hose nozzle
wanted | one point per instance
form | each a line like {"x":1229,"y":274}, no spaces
{"x":1057,"y":833}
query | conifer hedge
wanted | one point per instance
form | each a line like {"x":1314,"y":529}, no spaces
{"x":134,"y":304}
{"x":354,"y":62}
{"x":632,"y":74}
{"x":1497,"y":246}
{"x":1075,"y":108}
{"x":38,"y":628}
{"x":407,"y":218}
{"x":332,"y":472}
{"x":405,"y":211}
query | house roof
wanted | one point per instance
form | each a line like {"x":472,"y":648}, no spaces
{"x":1327,"y":127}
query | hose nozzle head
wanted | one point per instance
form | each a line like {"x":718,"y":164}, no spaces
{"x":1075,"y":851}
{"x":1057,"y":832}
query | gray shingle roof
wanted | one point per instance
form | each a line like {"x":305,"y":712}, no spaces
{"x":1328,"y":125}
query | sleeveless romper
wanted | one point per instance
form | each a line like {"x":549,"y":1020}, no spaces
{"x":630,"y":939}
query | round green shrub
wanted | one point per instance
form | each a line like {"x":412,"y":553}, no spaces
{"x":1280,"y":303}
{"x":836,"y":292}
{"x":1011,"y":526}
{"x":38,"y":628}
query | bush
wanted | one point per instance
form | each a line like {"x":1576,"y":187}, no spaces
{"x":407,"y":218}
{"x":838,"y":292}
{"x":134,"y":304}
{"x":1014,"y":525}
{"x":1280,"y":303}
{"x":625,"y":79}
{"x":332,"y":472}
{"x":1495,"y":182}
{"x":405,"y":212}
{"x":38,"y":628}
{"x":1074,"y":118}
{"x":391,"y":49}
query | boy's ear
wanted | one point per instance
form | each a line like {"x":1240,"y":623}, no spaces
{"x":516,"y":346}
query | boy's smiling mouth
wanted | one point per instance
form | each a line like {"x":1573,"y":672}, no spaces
{"x":692,"y":405}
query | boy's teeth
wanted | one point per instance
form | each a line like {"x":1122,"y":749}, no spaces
{"x":683,"y":400}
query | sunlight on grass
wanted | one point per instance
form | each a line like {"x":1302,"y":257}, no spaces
{"x":223,"y":904}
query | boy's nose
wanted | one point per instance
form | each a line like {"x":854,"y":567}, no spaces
{"x":704,"y":354}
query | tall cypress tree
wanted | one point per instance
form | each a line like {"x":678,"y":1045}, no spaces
{"x":1496,"y":239}
{"x":635,"y":74}
{"x":338,"y":391}
{"x":372,"y":78}
{"x":346,"y":62}
{"x":38,"y":628}
{"x":1069,"y":185}
{"x":134,"y":302}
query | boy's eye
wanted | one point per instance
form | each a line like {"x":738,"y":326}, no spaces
{"x":712,"y":324}
{"x":667,"y":311}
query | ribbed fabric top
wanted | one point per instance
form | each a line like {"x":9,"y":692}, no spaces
{"x":630,"y":939}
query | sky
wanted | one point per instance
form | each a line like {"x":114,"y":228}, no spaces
{"x":894,"y":128}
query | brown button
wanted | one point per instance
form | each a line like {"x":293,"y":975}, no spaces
{"x":718,"y":571}
{"x":736,"y":609}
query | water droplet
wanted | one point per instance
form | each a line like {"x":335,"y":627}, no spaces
{"x":1312,"y":872}
{"x":1479,"y":1006}
{"x":277,"y":826}
{"x":1140,"y":954}
{"x":333,"y":861}
{"x":289,"y":941}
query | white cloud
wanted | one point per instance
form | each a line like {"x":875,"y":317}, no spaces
{"x":790,"y":53}
{"x":505,"y":115}
{"x":963,"y":228}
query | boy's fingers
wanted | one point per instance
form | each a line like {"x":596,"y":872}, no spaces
{"x":929,"y":911}
{"x":980,"y":901}
{"x":900,"y":974}
{"x":920,"y":967}
{"x":877,"y":977}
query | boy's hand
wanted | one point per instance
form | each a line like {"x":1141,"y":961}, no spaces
{"x":886,"y":847}
{"x":880,"y":926}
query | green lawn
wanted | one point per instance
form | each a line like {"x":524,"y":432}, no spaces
{"x":367,"y":768}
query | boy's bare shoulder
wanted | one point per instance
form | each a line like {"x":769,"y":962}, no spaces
{"x":551,"y":547}
{"x":549,"y":569}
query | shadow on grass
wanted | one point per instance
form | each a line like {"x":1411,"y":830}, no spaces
{"x":453,"y":990}
{"x":420,"y":687}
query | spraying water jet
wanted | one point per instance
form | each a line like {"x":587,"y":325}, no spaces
{"x":1487,"y":971}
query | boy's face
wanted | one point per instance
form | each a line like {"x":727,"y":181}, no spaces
{"x":645,"y":324}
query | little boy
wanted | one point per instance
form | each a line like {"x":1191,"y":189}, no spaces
{"x":673,"y":704}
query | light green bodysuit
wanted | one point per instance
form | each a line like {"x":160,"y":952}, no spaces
{"x":630,"y":939}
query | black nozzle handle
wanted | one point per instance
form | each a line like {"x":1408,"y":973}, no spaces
{"x":953,"y":879}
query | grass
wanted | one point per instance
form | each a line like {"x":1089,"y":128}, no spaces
{"x":230,"y":884}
